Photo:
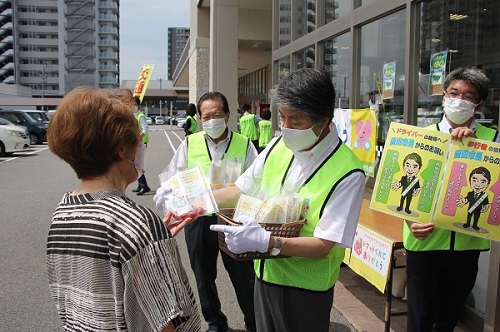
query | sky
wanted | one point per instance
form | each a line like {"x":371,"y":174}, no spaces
{"x":144,"y":34}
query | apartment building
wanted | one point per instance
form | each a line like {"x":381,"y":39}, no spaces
{"x":52,"y":46}
{"x":177,"y":40}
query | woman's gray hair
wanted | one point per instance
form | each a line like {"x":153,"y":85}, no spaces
{"x":307,"y":90}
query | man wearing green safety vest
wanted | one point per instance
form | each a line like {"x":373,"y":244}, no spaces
{"x":441,"y":265}
{"x":215,"y":143}
{"x":142,"y":183}
{"x":265,"y":129}
{"x":296,"y":293}
{"x":248,"y":125}
{"x":191,"y":125}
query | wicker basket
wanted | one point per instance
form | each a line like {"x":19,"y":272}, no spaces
{"x":289,"y":229}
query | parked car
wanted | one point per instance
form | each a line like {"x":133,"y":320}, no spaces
{"x":149,"y":120}
{"x":178,"y":116}
{"x":37,"y":130}
{"x":40,"y":116}
{"x":159,"y":120}
{"x":12,"y":138}
{"x":181,"y":122}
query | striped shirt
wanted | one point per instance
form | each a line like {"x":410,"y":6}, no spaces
{"x":114,"y":266}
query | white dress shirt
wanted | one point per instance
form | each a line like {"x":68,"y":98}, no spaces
{"x":179,"y":160}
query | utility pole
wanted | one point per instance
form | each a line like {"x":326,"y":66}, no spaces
{"x":46,"y":67}
{"x":161,"y":80}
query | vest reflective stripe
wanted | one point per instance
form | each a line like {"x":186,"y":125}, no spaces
{"x":307,"y":273}
{"x":248,"y":127}
{"x":198,"y":153}
{"x":193,"y":128}
{"x":265,"y":132}
{"x":145,"y":138}
{"x":443,"y":239}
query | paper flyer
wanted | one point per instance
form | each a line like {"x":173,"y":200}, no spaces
{"x":389,"y":73}
{"x":437,"y":74}
{"x":190,"y":190}
{"x":425,"y":176}
{"x":469,"y":201}
{"x":409,"y":173}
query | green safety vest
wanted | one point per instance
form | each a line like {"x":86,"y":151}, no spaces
{"x":198,"y":153}
{"x":265,"y":129}
{"x":443,"y":239}
{"x":248,"y":127}
{"x":194,"y":125}
{"x":316,"y":274}
{"x":145,"y":138}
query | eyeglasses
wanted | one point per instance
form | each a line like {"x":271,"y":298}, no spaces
{"x":469,"y":98}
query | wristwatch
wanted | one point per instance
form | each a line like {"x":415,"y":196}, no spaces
{"x":276,"y":249}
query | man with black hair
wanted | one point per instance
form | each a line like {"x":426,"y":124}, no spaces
{"x":249,"y":125}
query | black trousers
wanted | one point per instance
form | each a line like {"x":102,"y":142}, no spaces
{"x":288,"y":309}
{"x":203,"y":250}
{"x":142,"y":182}
{"x":438,"y":284}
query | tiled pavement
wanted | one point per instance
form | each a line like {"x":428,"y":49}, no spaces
{"x":363,"y":305}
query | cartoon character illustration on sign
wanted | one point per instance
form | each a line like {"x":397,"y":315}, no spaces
{"x":363,"y":133}
{"x":479,"y":180}
{"x":410,"y":183}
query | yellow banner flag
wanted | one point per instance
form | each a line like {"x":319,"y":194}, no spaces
{"x":142,"y":82}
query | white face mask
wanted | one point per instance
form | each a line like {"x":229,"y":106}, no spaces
{"x":297,"y":139}
{"x":457,"y":110}
{"x":214,"y":127}
{"x":139,"y":160}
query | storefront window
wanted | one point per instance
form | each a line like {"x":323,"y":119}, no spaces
{"x":305,"y":58}
{"x":305,"y":17}
{"x":335,"y":9}
{"x":382,"y":68}
{"x":466,"y":32}
{"x":462,"y":33}
{"x":337,"y":61}
{"x":285,"y":23}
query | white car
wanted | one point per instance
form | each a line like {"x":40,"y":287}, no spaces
{"x":149,"y":121}
{"x":159,"y":120}
{"x":181,"y":122}
{"x":12,"y":138}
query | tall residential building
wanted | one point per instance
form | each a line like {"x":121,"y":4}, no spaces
{"x":53,"y":46}
{"x":177,"y":39}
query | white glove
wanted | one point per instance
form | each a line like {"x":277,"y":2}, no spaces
{"x":160,"y":198}
{"x":249,"y":237}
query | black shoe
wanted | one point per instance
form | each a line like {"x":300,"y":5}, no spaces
{"x":143,"y":191}
{"x":467,"y":225}
{"x":136,"y":190}
{"x":399,"y":208}
{"x":408,"y":211}
{"x":475,"y":227}
{"x":215,"y":329}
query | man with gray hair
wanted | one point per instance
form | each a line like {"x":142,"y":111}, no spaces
{"x":308,"y":159}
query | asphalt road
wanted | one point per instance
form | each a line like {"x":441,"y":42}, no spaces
{"x":31,"y":185}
